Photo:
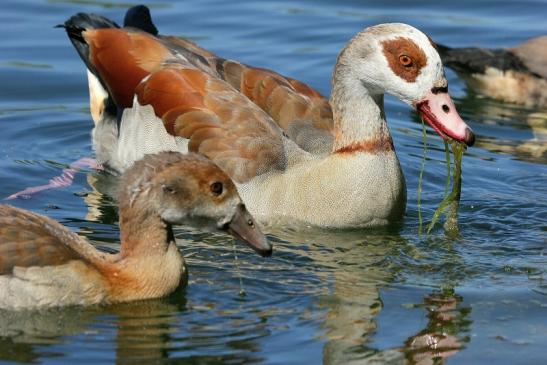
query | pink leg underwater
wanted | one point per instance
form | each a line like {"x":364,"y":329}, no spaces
{"x":65,"y":179}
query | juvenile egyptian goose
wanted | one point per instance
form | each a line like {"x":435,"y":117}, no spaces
{"x":293,"y":154}
{"x":515,"y":75}
{"x":44,"y":264}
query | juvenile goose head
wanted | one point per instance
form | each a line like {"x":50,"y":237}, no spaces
{"x":180,"y":188}
{"x":401,"y":60}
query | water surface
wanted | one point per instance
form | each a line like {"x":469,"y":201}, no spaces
{"x":360,"y":296}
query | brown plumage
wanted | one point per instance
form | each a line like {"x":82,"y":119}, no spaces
{"x":287,"y":100}
{"x":204,"y":110}
{"x":220,"y":122}
{"x":123,"y":59}
{"x":27,"y":239}
{"x":43,"y":263}
{"x":293,"y":105}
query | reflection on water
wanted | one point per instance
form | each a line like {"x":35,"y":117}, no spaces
{"x":351,"y":269}
{"x":24,"y":64}
{"x":499,"y":122}
{"x":442,"y":337}
{"x":139,"y":331}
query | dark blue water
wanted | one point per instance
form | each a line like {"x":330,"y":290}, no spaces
{"x":325,"y":297}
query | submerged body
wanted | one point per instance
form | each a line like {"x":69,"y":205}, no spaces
{"x":44,"y":264}
{"x":293,"y":154}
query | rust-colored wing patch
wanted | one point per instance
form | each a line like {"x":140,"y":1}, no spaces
{"x":286,"y":100}
{"x":219,"y":122}
{"x":123,"y":58}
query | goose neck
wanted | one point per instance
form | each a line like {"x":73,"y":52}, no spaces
{"x":359,"y":118}
{"x":143,"y":234}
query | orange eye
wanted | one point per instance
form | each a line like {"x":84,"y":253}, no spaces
{"x":405,"y":60}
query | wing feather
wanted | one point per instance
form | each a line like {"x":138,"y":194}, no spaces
{"x":29,"y":239}
{"x":302,"y":112}
{"x":123,"y":58}
{"x":219,"y":122}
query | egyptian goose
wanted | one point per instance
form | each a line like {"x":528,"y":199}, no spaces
{"x":293,"y":154}
{"x":515,"y":75}
{"x":44,"y":264}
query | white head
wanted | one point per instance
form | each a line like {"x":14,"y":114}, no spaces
{"x":400,"y":60}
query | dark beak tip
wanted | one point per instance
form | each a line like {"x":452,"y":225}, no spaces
{"x":267,"y":253}
{"x":469,"y":137}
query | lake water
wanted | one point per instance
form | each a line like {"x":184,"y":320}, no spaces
{"x":363,"y":296}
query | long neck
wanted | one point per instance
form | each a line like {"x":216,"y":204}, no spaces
{"x":149,"y":264}
{"x":143,"y":234}
{"x":359,"y":118}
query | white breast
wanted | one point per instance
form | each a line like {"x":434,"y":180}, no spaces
{"x":356,"y":190}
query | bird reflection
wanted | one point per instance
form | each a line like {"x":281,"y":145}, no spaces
{"x":140,"y":330}
{"x":362,"y":262}
{"x":510,"y":129}
{"x":441,"y":338}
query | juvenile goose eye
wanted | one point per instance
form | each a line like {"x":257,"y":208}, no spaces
{"x":168,"y":189}
{"x":216,"y":188}
{"x":405,"y":60}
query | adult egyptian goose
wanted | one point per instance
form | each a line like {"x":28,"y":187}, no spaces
{"x":293,"y":154}
{"x":44,"y":264}
{"x":515,"y":75}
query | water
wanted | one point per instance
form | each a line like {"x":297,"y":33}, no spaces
{"x":325,"y":297}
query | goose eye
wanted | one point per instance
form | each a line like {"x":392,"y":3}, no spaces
{"x":405,"y":60}
{"x":168,"y":189}
{"x":216,"y":188}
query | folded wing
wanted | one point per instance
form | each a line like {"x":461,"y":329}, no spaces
{"x":28,"y":239}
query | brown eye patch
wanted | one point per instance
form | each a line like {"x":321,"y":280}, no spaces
{"x":405,"y":58}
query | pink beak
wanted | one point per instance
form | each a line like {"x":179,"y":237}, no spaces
{"x":439,"y":111}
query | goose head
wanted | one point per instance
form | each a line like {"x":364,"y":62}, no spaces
{"x":400,"y":60}
{"x":187,"y":187}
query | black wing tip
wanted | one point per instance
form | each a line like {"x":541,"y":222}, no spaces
{"x":476,"y":60}
{"x":139,"y":17}
{"x":78,"y":23}
{"x":88,"y":21}
{"x":441,"y":48}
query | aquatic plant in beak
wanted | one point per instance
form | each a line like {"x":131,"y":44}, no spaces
{"x":451,"y":201}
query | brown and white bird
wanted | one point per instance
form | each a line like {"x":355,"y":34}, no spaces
{"x":515,"y":75}
{"x":293,"y":154}
{"x":44,"y":264}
